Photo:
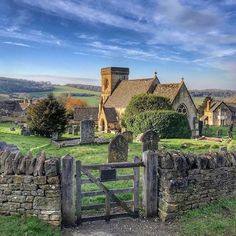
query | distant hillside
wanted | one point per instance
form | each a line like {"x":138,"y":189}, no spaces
{"x":86,"y":87}
{"x":213,"y":93}
{"x":10,"y":85}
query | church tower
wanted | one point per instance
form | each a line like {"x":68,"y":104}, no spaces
{"x":110,"y":78}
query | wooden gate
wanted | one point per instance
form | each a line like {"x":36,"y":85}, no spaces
{"x":107,"y":173}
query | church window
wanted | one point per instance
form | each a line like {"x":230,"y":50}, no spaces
{"x":182,"y":109}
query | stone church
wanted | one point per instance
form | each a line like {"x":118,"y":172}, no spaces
{"x":117,"y":91}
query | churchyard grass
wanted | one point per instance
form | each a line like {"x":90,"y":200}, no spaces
{"x":91,"y":154}
{"x":214,"y":220}
{"x":20,"y":226}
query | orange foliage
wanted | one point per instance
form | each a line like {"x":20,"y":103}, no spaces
{"x":72,"y":103}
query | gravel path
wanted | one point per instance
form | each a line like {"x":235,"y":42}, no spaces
{"x":123,"y":227}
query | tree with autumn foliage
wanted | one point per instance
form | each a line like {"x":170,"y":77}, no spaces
{"x":72,"y":103}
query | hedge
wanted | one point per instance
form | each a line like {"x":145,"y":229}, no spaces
{"x":169,"y":124}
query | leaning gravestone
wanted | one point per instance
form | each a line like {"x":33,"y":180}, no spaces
{"x":75,"y":130}
{"x":150,"y":140}
{"x":87,"y":131}
{"x":118,"y":149}
{"x":128,"y":136}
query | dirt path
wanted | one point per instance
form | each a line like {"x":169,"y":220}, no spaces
{"x":123,"y":227}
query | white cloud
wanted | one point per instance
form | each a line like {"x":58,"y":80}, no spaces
{"x":18,"y":44}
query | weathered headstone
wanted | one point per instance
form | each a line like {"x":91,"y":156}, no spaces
{"x":3,"y":146}
{"x":55,"y":136}
{"x":150,"y":140}
{"x":223,"y":149}
{"x":219,"y":133}
{"x":75,"y":130}
{"x":128,"y":136}
{"x":118,"y":149}
{"x":87,"y":131}
{"x":69,"y":130}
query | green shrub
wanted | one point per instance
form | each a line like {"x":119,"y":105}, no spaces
{"x":169,"y":124}
{"x":147,"y":102}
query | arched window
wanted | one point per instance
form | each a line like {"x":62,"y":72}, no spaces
{"x":182,"y":109}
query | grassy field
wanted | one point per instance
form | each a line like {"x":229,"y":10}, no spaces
{"x":215,"y":220}
{"x":89,"y":154}
{"x":62,"y":89}
{"x":16,"y":226}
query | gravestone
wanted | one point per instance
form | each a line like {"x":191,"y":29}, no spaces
{"x":69,"y":130}
{"x":87,"y":131}
{"x":223,"y":149}
{"x":25,"y":131}
{"x":150,"y":140}
{"x":219,"y":133}
{"x":75,"y":130}
{"x":128,"y":136}
{"x":55,"y":136}
{"x":118,"y":149}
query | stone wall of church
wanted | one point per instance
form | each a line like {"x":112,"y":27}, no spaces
{"x":184,"y":98}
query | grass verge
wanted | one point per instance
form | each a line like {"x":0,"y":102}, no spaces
{"x":18,"y":226}
{"x":217,"y":219}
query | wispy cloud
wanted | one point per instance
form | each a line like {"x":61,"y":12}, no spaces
{"x":18,"y":44}
{"x":200,"y":33}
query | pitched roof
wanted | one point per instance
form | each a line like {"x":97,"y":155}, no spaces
{"x":167,"y":90}
{"x":86,"y":113}
{"x":8,"y":107}
{"x":216,"y":104}
{"x":232,"y":106}
{"x":127,"y":89}
{"x":111,"y":114}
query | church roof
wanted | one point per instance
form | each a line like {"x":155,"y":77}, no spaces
{"x":167,"y":90}
{"x":127,"y":89}
{"x":86,"y":113}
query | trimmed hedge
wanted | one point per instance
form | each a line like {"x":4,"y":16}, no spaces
{"x":169,"y":124}
{"x":146,"y":102}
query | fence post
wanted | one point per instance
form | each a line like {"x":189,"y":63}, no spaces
{"x":78,"y":193}
{"x":68,"y":191}
{"x":150,"y":185}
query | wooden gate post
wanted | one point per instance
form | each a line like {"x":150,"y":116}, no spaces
{"x":150,"y":185}
{"x":68,"y":191}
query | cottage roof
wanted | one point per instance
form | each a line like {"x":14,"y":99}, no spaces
{"x":9,"y":106}
{"x":232,"y":106}
{"x":167,"y":90}
{"x":111,"y":114}
{"x":127,"y":89}
{"x":86,"y":113}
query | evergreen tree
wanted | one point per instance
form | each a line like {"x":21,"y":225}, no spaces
{"x":47,"y":116}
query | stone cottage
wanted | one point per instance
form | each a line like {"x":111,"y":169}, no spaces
{"x":9,"y":110}
{"x":219,"y":113}
{"x":117,"y":91}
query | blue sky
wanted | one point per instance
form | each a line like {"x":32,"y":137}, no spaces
{"x":64,"y":40}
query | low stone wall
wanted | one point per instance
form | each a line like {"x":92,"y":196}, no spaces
{"x":30,"y":186}
{"x":191,"y":181}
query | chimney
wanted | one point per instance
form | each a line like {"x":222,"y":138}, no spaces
{"x":208,"y":103}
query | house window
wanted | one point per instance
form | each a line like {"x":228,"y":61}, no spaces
{"x":182,"y":109}
{"x":222,"y":122}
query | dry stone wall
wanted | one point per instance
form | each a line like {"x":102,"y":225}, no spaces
{"x":30,"y":186}
{"x":188,"y":181}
